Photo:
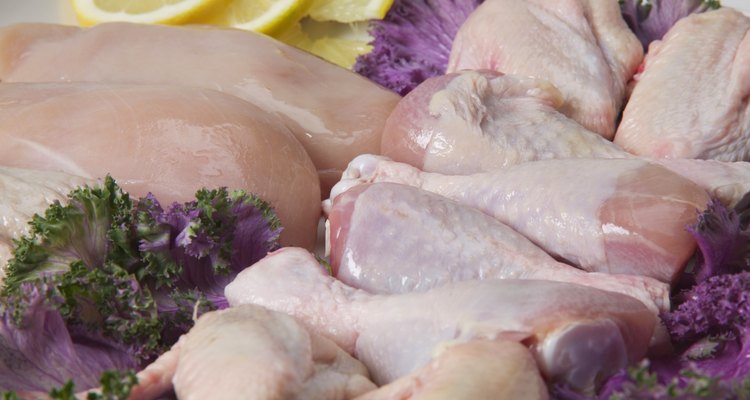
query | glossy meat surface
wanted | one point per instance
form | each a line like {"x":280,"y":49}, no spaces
{"x":691,"y":100}
{"x":475,"y":121}
{"x":335,"y":113}
{"x":479,"y":121}
{"x":577,"y":334}
{"x":477,"y":370}
{"x":258,"y":354}
{"x":582,"y":47}
{"x":623,"y":216}
{"x":171,"y":141}
{"x":391,"y":238}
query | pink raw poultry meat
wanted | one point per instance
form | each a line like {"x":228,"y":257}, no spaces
{"x":474,"y":121}
{"x":582,"y":47}
{"x":577,"y":334}
{"x":335,"y":114}
{"x":390,"y":238}
{"x":500,"y":370}
{"x":256,"y":353}
{"x":624,"y":216}
{"x":477,"y":121}
{"x":691,"y":100}
{"x":168,"y":140}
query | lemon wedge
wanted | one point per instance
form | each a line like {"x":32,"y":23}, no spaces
{"x":349,"y":10}
{"x":270,"y":17}
{"x":91,"y":12}
{"x":335,"y":42}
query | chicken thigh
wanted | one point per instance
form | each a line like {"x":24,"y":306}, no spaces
{"x":478,"y":121}
{"x":477,"y":370}
{"x":335,"y":113}
{"x":253,"y":353}
{"x":691,"y":100}
{"x":391,"y":238}
{"x":582,"y":47}
{"x":578,"y":334}
{"x":623,"y":216}
{"x":168,"y":140}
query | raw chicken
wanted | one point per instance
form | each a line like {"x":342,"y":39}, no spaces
{"x":475,"y":121}
{"x":691,"y":100}
{"x":335,"y":114}
{"x":478,"y":121}
{"x":391,"y":238}
{"x":582,"y":47}
{"x":254,"y":353}
{"x":726,"y":181}
{"x":578,"y":334}
{"x":622,"y":216}
{"x":23,"y":193}
{"x":167,"y":140}
{"x":477,"y":370}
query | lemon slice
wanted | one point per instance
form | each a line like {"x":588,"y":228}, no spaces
{"x":342,"y":52}
{"x":264,"y":16}
{"x":349,"y":10}
{"x":91,"y":12}
{"x":336,"y":42}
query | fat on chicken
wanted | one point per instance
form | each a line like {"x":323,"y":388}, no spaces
{"x":478,"y":121}
{"x":691,"y":100}
{"x":335,"y":113}
{"x":577,"y":334}
{"x":622,"y":216}
{"x":476,"y":370}
{"x":392,"y":238}
{"x":582,"y":47}
{"x":251,"y":352}
{"x":167,"y":140}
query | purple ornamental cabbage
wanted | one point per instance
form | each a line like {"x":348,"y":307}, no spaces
{"x":197,"y":248}
{"x":710,"y":325}
{"x":104,"y":284}
{"x":41,"y":352}
{"x":723,"y":241}
{"x":413,"y":42}
{"x":651,"y":19}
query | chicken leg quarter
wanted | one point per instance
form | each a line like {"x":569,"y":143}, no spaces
{"x":391,"y":238}
{"x":577,"y":334}
{"x":623,"y":216}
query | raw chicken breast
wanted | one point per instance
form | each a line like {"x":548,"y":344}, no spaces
{"x":691,"y":100}
{"x":578,"y":335}
{"x":478,"y":121}
{"x":254,"y":353}
{"x":23,"y":193}
{"x":582,"y":47}
{"x":335,"y":113}
{"x":476,"y":370}
{"x":623,"y":216}
{"x":167,"y":140}
{"x":391,"y":238}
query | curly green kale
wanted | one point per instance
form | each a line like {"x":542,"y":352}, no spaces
{"x":103,"y":282}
